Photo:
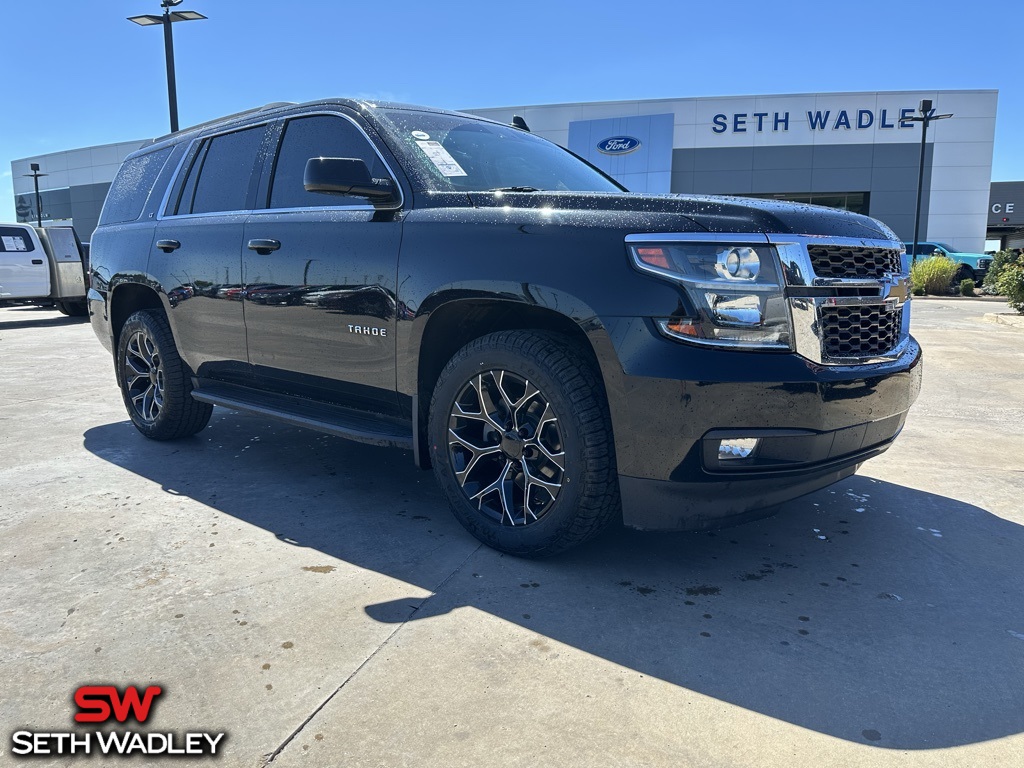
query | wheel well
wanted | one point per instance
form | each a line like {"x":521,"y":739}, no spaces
{"x":454,"y":325}
{"x":125,"y":301}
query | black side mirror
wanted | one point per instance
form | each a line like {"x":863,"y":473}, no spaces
{"x":346,"y":176}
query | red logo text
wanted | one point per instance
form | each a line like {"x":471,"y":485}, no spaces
{"x":98,"y":703}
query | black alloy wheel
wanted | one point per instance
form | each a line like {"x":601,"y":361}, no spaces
{"x":144,"y":377}
{"x":521,"y":443}
{"x":505,"y":445}
{"x":156,"y":385}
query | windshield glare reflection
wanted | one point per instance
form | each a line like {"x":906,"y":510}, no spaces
{"x":449,"y":153}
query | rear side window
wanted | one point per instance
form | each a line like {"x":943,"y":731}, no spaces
{"x":132,"y":186}
{"x":221,"y":173}
{"x":318,"y":136}
{"x":15,"y":240}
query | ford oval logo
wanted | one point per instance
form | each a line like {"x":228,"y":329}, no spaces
{"x":618,"y":145}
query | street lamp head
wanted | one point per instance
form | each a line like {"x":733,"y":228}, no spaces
{"x":33,"y":166}
{"x":170,"y":3}
{"x":186,"y":16}
{"x":152,"y":19}
{"x":147,"y":19}
{"x":926,"y":106}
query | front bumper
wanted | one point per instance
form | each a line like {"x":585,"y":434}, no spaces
{"x":726,"y":498}
{"x":817,"y":424}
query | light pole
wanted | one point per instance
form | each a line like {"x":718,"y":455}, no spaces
{"x":39,"y":203}
{"x":925,"y":118}
{"x":168,"y":18}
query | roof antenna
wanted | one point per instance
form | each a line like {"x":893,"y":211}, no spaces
{"x":518,"y":122}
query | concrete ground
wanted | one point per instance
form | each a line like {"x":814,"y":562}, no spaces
{"x":315,"y":600}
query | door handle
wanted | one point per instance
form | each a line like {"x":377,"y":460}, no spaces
{"x":168,"y":245}
{"x":37,"y":261}
{"x":264,"y":246}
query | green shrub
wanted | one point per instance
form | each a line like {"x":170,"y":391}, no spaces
{"x":1011,"y":285}
{"x":1002,"y":259}
{"x":917,"y":290}
{"x":933,"y":275}
{"x":967,"y":287}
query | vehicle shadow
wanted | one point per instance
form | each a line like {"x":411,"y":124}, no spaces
{"x":35,"y":317}
{"x":870,"y":612}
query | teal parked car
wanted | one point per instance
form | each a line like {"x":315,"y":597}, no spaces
{"x":973,"y":266}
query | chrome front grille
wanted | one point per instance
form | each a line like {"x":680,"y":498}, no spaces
{"x":847,"y":298}
{"x":854,"y":261}
{"x":859,"y":331}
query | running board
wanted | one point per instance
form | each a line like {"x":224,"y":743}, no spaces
{"x":299,"y":412}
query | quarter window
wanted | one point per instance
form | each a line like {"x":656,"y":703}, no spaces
{"x":318,"y":136}
{"x":132,"y":186}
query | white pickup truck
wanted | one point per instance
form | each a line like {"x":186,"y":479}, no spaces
{"x":43,"y":264}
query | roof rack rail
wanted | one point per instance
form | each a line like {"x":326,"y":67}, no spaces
{"x":243,"y":113}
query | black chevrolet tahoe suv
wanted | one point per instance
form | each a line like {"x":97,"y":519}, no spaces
{"x":560,"y":351}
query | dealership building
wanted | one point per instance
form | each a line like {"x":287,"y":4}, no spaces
{"x":856,"y":151}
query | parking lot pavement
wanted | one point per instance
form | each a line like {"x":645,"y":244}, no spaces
{"x":314,"y":599}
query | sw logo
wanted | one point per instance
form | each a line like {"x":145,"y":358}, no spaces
{"x":97,"y":703}
{"x":102,"y":704}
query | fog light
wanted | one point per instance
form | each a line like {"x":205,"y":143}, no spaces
{"x":737,"y":448}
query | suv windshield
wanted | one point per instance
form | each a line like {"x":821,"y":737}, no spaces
{"x":449,"y":153}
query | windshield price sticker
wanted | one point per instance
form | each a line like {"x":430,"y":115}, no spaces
{"x":439,"y":156}
{"x":18,"y":243}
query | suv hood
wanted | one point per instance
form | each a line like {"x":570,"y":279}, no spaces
{"x":709,"y":212}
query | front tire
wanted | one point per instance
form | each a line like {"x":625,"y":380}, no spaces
{"x":521,"y":443}
{"x":963,"y":272}
{"x":155,"y":383}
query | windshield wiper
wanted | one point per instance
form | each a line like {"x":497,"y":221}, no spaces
{"x":515,"y":189}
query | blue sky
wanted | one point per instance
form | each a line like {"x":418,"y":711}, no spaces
{"x":77,"y":73}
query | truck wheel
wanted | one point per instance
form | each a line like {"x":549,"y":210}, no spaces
{"x":521,"y":443}
{"x":963,"y":272}
{"x":72,"y":308}
{"x":155,"y":383}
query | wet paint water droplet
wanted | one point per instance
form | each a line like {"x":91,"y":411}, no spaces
{"x":703,"y":590}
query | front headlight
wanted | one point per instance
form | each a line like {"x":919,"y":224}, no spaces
{"x":736,"y":289}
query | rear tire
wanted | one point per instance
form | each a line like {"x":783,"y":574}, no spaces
{"x":155,"y":384}
{"x":72,"y":308}
{"x":521,"y":443}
